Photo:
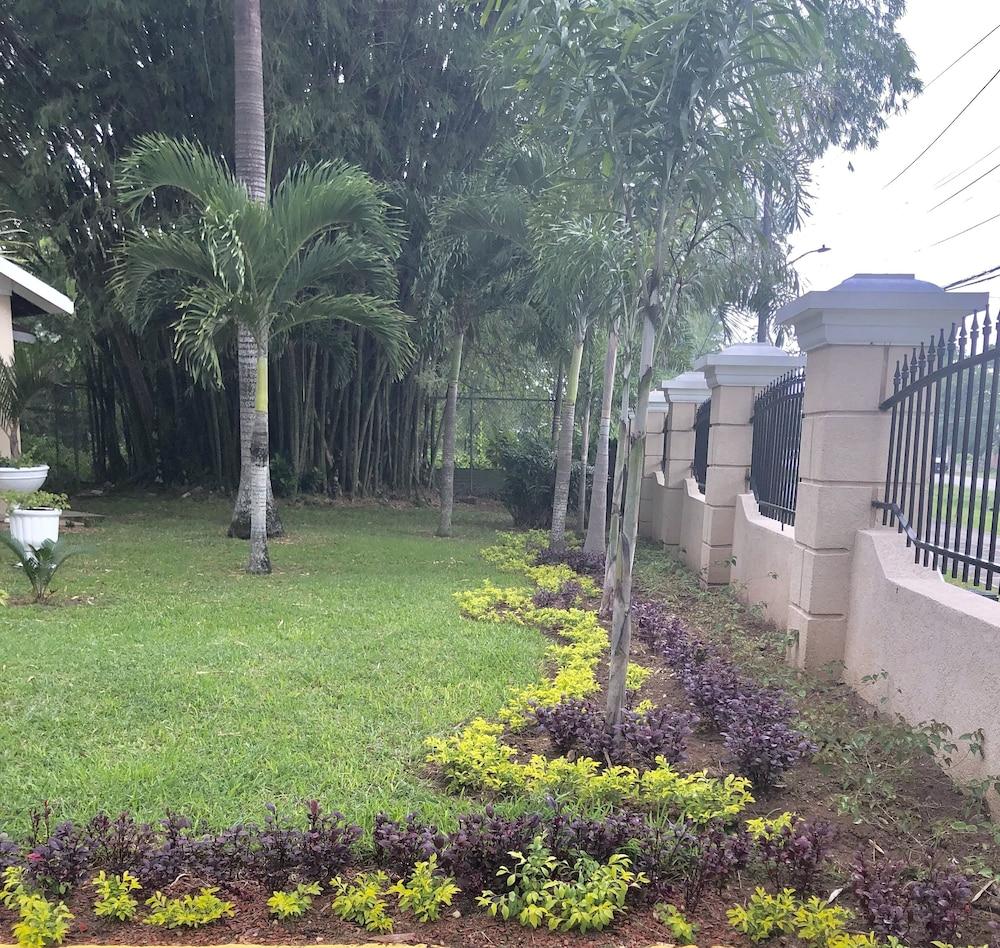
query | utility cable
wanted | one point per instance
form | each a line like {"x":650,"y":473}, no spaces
{"x":965,"y":187}
{"x":955,"y":62}
{"x":947,"y":179}
{"x":975,"y":277}
{"x":967,"y":229}
{"x":941,"y":134}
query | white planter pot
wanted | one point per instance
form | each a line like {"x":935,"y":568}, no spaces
{"x":24,"y":480}
{"x":34,"y":527}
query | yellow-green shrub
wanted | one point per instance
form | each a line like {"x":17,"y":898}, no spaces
{"x":516,"y":552}
{"x":490,"y":603}
{"x":477,"y":759}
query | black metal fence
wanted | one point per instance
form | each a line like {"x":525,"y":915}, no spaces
{"x":774,"y":461}
{"x":699,"y":466}
{"x":941,"y":478}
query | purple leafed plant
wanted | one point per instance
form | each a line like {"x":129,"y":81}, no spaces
{"x":577,"y":728}
{"x":795,"y":855}
{"x":400,"y":845}
{"x":482,"y":843}
{"x":62,"y":860}
{"x":939,"y":902}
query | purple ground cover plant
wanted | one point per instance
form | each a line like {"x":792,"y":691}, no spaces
{"x":755,"y":722}
{"x":795,"y":855}
{"x":577,"y":727}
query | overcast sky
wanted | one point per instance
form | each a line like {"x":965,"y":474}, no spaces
{"x":875,"y":228}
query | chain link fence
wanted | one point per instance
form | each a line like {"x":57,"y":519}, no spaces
{"x":55,"y":430}
{"x":481,"y":420}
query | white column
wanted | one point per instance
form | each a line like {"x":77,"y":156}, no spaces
{"x":650,"y":498}
{"x":683,"y":393}
{"x":735,"y":376}
{"x":853,"y":335}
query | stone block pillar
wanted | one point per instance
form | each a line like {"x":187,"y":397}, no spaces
{"x":734,"y":376}
{"x":650,"y":499}
{"x":853,"y":335}
{"x":683,"y":393}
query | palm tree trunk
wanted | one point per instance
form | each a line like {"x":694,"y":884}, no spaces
{"x":251,"y":170}
{"x":597,"y":522}
{"x":448,"y":427}
{"x":557,"y":395}
{"x":564,"y":452}
{"x":617,"y":493}
{"x":260,"y":560}
{"x":621,"y":622}
{"x":581,"y":502}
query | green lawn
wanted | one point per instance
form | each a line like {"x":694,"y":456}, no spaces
{"x":190,"y":685}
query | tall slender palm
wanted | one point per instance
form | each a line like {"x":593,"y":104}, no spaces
{"x":474,"y":251}
{"x":251,"y":171}
{"x":580,"y":268}
{"x":236,"y":263}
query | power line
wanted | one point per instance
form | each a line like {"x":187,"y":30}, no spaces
{"x":967,"y":229}
{"x":955,"y":62}
{"x":965,"y":187}
{"x":985,"y":279}
{"x":947,"y":179}
{"x":941,"y":134}
{"x":975,"y":278}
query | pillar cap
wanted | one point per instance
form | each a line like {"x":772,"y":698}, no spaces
{"x":748,"y":363}
{"x":686,"y":387}
{"x":657,"y":401}
{"x":873,"y":309}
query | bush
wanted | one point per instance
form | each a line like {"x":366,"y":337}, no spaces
{"x":542,"y":890}
{"x":529,"y":466}
{"x":188,"y":911}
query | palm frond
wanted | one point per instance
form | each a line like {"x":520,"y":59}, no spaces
{"x":386,"y":323}
{"x":312,"y":200}
{"x":147,"y":254}
{"x":159,"y":161}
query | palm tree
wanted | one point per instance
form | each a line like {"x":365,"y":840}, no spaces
{"x":474,"y":250}
{"x":581,"y":271}
{"x":322,"y":248}
{"x":20,"y":381}
{"x":251,"y":171}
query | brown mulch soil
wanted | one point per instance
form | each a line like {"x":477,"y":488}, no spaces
{"x":910,"y":825}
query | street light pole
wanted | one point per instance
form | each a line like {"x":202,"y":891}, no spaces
{"x":763,"y":318}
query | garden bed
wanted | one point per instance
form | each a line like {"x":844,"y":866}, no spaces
{"x":856,"y":786}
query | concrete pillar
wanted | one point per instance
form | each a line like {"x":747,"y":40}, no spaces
{"x":853,"y":335}
{"x":650,"y":498}
{"x":6,"y":346}
{"x":735,"y":376}
{"x":683,"y":393}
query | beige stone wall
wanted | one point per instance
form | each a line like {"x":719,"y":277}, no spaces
{"x":762,"y":560}
{"x":938,"y":644}
{"x":692,"y":525}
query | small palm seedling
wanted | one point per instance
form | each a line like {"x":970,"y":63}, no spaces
{"x":39,"y":564}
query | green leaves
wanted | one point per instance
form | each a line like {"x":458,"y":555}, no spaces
{"x":322,"y":249}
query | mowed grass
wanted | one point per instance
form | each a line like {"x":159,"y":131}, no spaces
{"x":190,"y":685}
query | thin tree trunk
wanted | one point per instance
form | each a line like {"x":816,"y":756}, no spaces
{"x":260,"y":560}
{"x":448,"y":427}
{"x":564,"y":451}
{"x":597,"y":522}
{"x":581,"y":499}
{"x":621,"y":622}
{"x":557,"y":394}
{"x":251,"y":170}
{"x":617,"y":493}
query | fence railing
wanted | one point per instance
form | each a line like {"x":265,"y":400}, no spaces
{"x":699,"y":466}
{"x":774,"y":459}
{"x":941,"y":478}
